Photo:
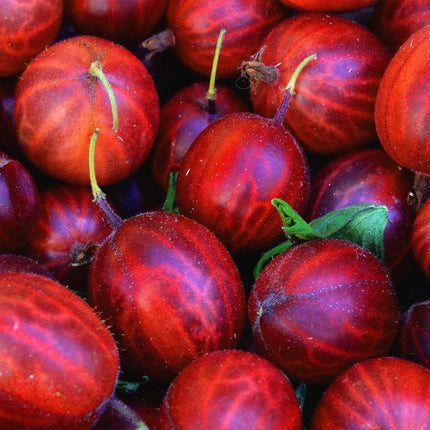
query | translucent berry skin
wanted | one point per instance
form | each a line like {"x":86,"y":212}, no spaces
{"x":196,"y":26}
{"x":401,"y":109}
{"x":231,"y":173}
{"x":332,"y":111}
{"x":59,"y":104}
{"x":414,"y":337}
{"x":232,"y":390}
{"x":368,"y":176}
{"x":21,"y":263}
{"x":395,"y":20}
{"x":59,"y":362}
{"x":327,"y":6}
{"x":27,"y":28}
{"x":70,"y":228}
{"x":382,"y":393}
{"x":169,"y":290}
{"x":182,"y":119}
{"x":322,"y":306}
{"x":19,"y":204}
{"x":126,"y":22}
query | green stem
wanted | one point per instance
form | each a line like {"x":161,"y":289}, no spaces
{"x":290,"y":90}
{"x":170,"y":202}
{"x":291,"y":85}
{"x":99,"y":196}
{"x":96,"y":70}
{"x":270,"y":255}
{"x":211,"y":94}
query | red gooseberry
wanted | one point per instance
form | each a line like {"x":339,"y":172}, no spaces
{"x":63,"y":96}
{"x":322,"y":306}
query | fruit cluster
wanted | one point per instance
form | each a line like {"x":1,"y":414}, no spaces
{"x":178,"y":252}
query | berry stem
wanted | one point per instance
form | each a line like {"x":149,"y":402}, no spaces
{"x":211,"y":94}
{"x":128,"y":413}
{"x":96,"y":71}
{"x":170,"y":202}
{"x":290,"y":90}
{"x":99,"y":196}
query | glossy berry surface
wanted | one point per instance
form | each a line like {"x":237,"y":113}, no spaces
{"x":333,"y":109}
{"x":182,"y":119}
{"x":127,"y":22}
{"x":59,"y":362}
{"x":414,"y":338}
{"x":19,"y":204}
{"x":383,"y":393}
{"x":20,"y":263}
{"x":70,"y":228}
{"x":322,"y":306}
{"x":401,"y":110}
{"x":367,"y":176}
{"x":170,"y":291}
{"x":421,"y":239}
{"x":196,"y":26}
{"x":59,"y":104}
{"x":27,"y":28}
{"x":396,"y":20}
{"x":327,"y":6}
{"x":231,"y":390}
{"x":231,"y":173}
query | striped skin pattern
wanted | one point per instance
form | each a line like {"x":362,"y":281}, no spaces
{"x":196,"y":26}
{"x":59,"y":363}
{"x":385,"y":393}
{"x":182,"y":118}
{"x":328,"y":5}
{"x":414,"y":338}
{"x":59,"y":105}
{"x":122,"y":21}
{"x":20,"y":263}
{"x":19,"y":204}
{"x":367,"y":176}
{"x":396,"y":20}
{"x":322,"y":306}
{"x":333,"y":109}
{"x":69,"y":221}
{"x":230,"y":175}
{"x":402,"y":106}
{"x":170,"y":291}
{"x":230,"y":390}
{"x":420,"y":242}
{"x":27,"y":27}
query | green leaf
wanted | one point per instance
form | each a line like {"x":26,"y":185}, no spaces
{"x":363,"y":224}
{"x":301,"y":394}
